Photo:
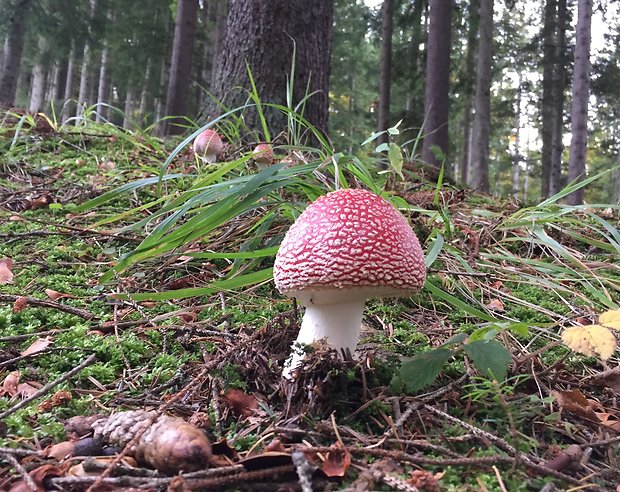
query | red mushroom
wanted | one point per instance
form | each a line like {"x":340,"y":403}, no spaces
{"x":263,"y":155}
{"x":346,"y":247}
{"x":208,"y":146}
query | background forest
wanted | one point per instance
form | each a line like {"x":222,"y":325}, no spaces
{"x":62,"y":56}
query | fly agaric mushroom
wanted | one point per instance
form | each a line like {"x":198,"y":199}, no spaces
{"x":263,"y":155}
{"x":346,"y":247}
{"x":208,"y":146}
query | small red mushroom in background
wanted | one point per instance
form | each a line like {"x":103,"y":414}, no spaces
{"x":347,"y":246}
{"x":263,"y":155}
{"x":208,"y":146}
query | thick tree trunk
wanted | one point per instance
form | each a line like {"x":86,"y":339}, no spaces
{"x":581,"y":92}
{"x":60,"y":80}
{"x":385,"y":76}
{"x":221,"y":13}
{"x":16,"y":22}
{"x":263,"y":35}
{"x":103,"y":93}
{"x":559,"y":85}
{"x":479,"y":169}
{"x":548,"y":92}
{"x":177,"y":99}
{"x":436,"y":144}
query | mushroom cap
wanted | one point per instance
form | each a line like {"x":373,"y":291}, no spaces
{"x":347,"y":245}
{"x":208,"y":144}
{"x":263,"y":154}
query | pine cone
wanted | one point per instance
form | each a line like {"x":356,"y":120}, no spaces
{"x":167,"y":443}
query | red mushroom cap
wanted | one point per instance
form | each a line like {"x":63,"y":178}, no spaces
{"x":263,"y":154}
{"x":208,"y":145}
{"x":349,"y":244}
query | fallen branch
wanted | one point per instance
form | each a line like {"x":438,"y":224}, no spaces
{"x":33,"y":301}
{"x":43,"y":391}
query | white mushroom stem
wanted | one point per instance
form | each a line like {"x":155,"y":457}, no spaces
{"x":339,"y":324}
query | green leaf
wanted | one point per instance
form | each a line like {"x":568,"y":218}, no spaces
{"x":422,"y":369}
{"x":396,"y":159}
{"x":490,"y":357}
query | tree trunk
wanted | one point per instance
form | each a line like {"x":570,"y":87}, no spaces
{"x":177,"y":98}
{"x":68,"y":97}
{"x":145,"y":96}
{"x":559,"y":85}
{"x":221,"y":13}
{"x":86,"y":77}
{"x":16,"y":21}
{"x":436,"y":144}
{"x":128,"y":119}
{"x":39,"y":84}
{"x":516,"y":170}
{"x":548,"y":92}
{"x":60,"y":80}
{"x":479,"y":169}
{"x":581,"y":91}
{"x":104,"y":86}
{"x":263,"y":35}
{"x":468,"y":87}
{"x":385,"y":77}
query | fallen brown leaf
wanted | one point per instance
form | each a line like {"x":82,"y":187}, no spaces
{"x":337,"y":461}
{"x":6,"y":274}
{"x":573,"y":401}
{"x":19,"y":304}
{"x":495,"y":305}
{"x":10,"y":383}
{"x":241,"y":404}
{"x":60,"y":450}
{"x":54,"y":295}
{"x":58,"y":399}
{"x":38,"y":345}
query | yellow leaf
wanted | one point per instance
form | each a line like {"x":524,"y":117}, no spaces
{"x":610,"y":319}
{"x":590,"y":340}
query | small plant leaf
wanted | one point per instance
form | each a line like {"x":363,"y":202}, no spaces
{"x":396,"y":159}
{"x":590,"y":340}
{"x":422,"y":369}
{"x":490,"y":357}
{"x":610,"y":319}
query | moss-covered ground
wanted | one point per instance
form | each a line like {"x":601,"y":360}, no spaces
{"x":505,"y":273}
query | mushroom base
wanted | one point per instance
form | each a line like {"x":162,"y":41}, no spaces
{"x":338,"y":324}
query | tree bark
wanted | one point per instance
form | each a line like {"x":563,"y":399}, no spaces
{"x":86,"y":80}
{"x":103,"y":92}
{"x":16,"y":21}
{"x":581,"y":92}
{"x":67,"y":107}
{"x":177,"y":97}
{"x":479,"y":169}
{"x":559,"y":85}
{"x":548,"y":92}
{"x":436,"y":144}
{"x":385,"y":77}
{"x":221,"y":13}
{"x":468,"y":87}
{"x":516,"y":170}
{"x":128,"y":119}
{"x":263,"y":35}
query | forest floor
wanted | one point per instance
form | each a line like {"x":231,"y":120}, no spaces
{"x":76,"y":346}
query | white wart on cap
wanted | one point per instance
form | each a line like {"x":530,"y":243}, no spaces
{"x":346,"y":247}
